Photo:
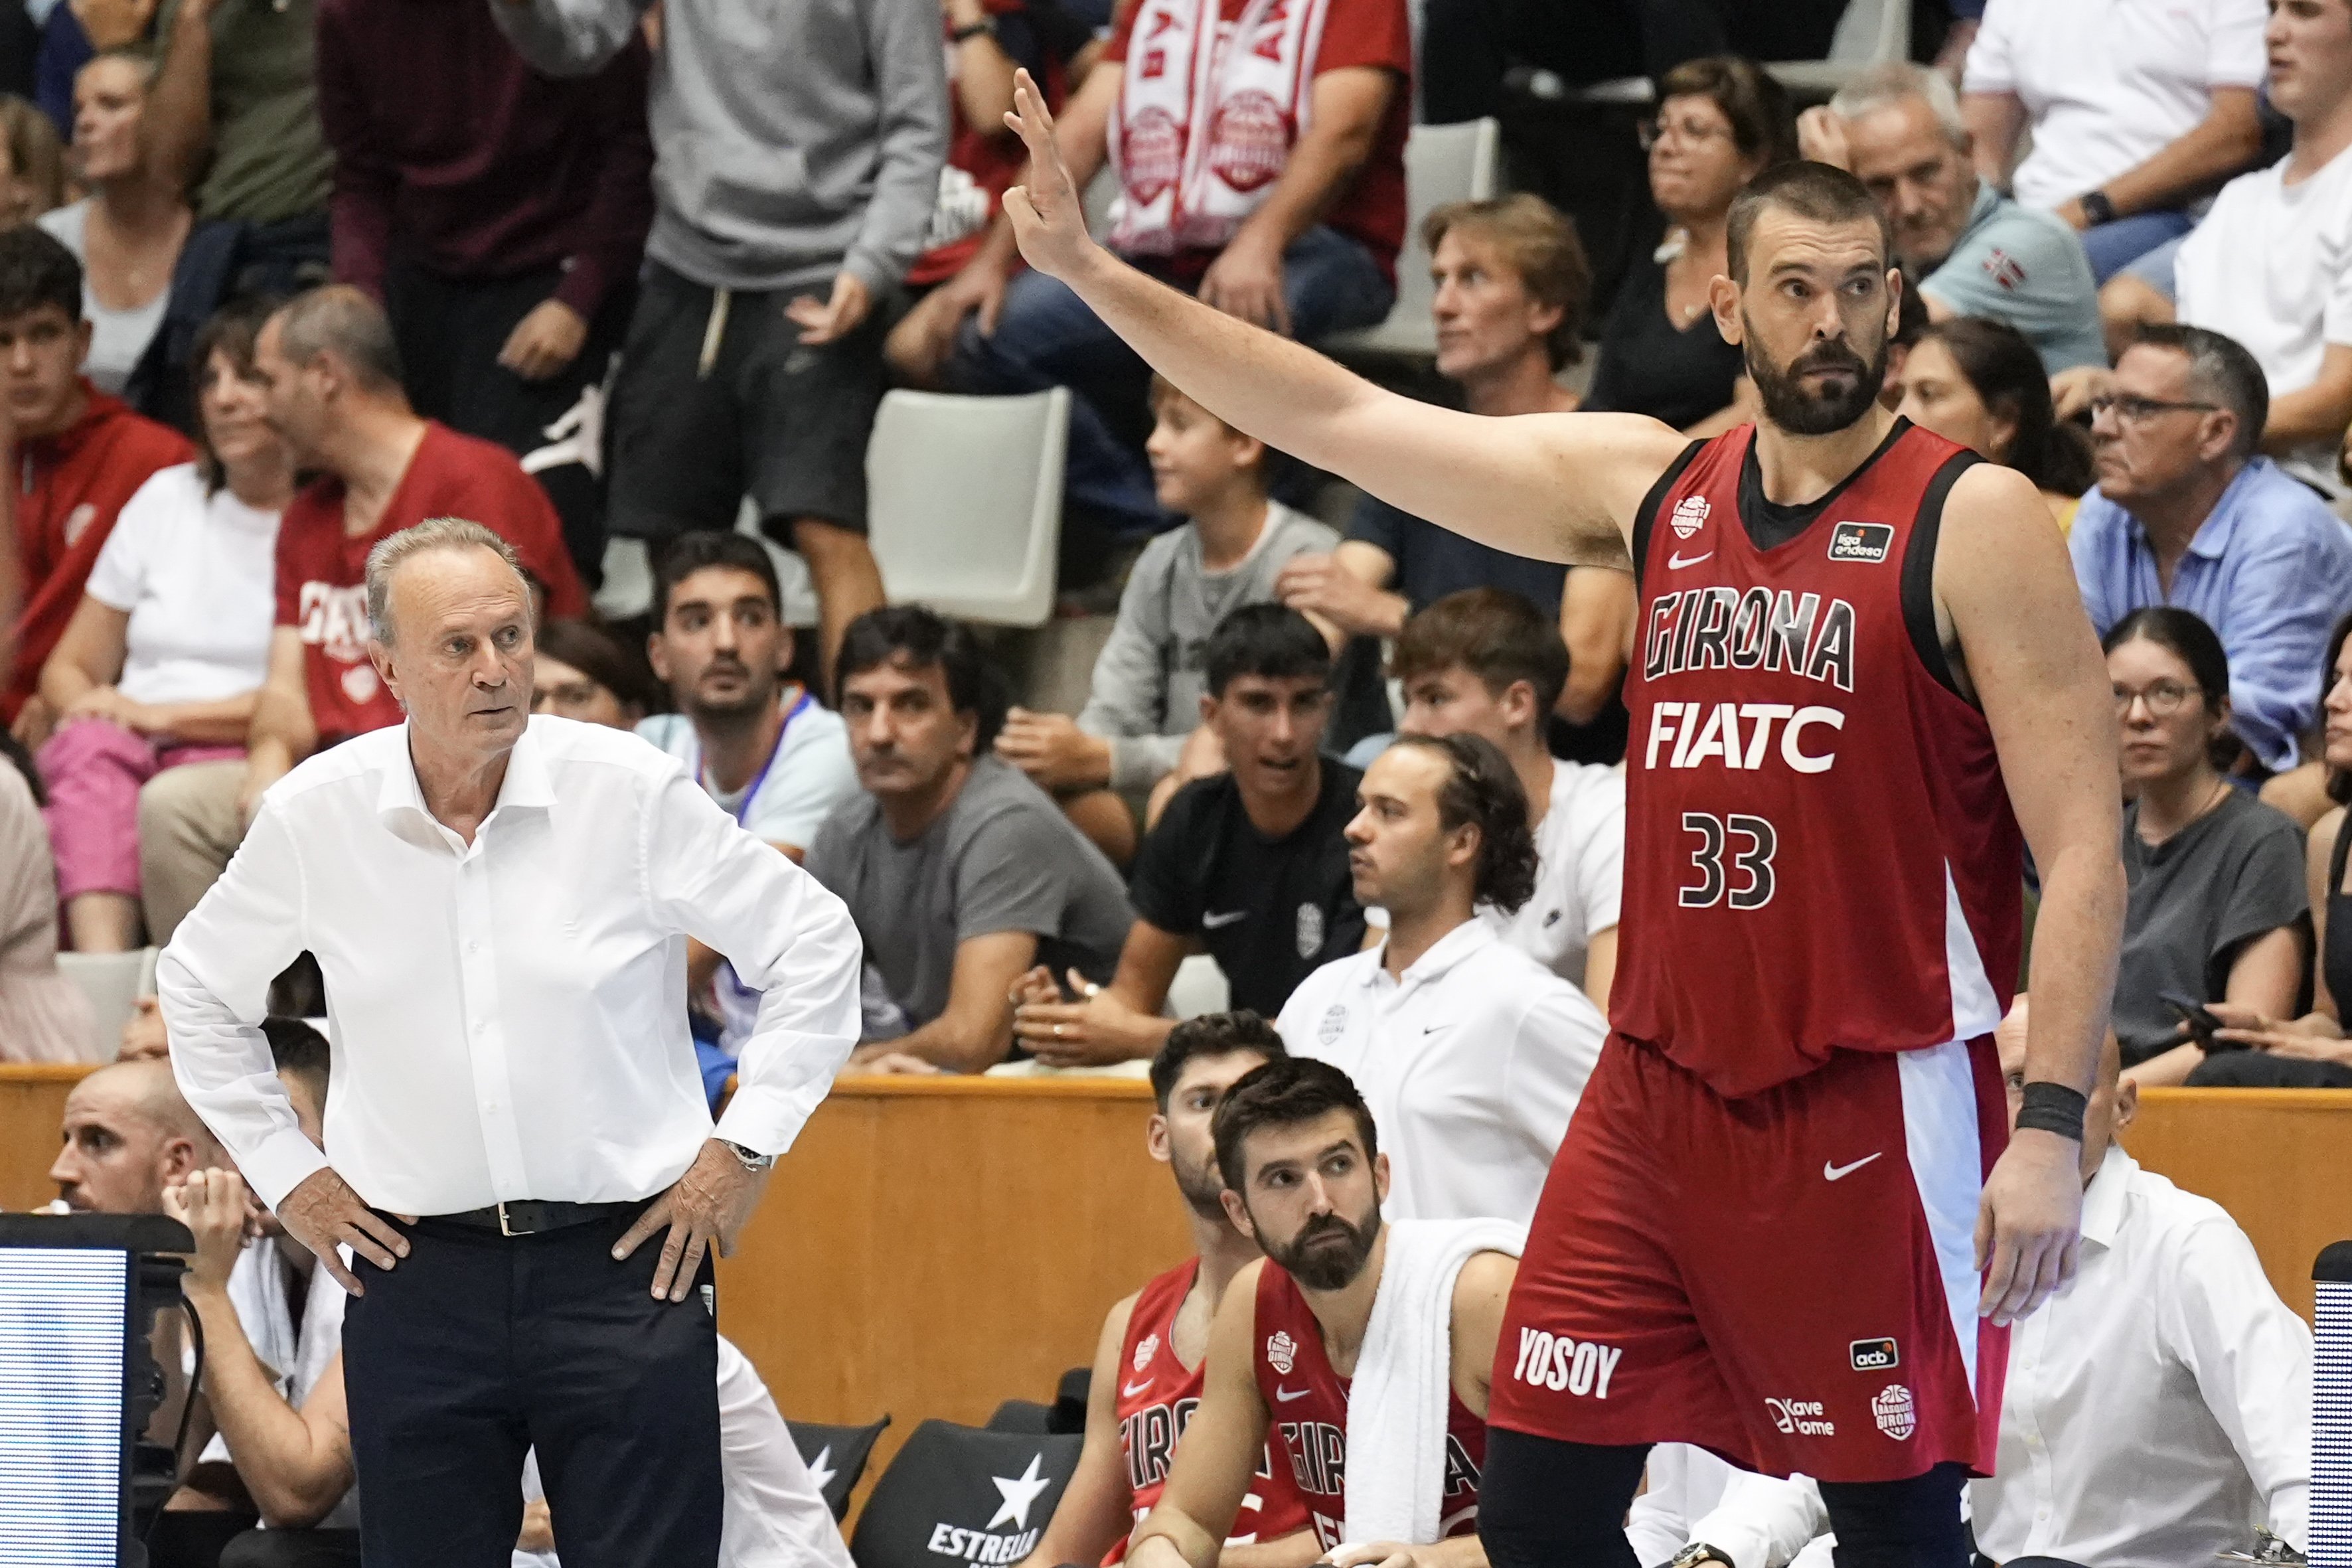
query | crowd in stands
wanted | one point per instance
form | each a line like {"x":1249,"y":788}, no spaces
{"x":279,"y":282}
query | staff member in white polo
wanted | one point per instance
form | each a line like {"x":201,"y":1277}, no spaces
{"x":1470,"y":1053}
{"x":500,"y":906}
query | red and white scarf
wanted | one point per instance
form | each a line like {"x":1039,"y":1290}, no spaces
{"x":1206,"y":118}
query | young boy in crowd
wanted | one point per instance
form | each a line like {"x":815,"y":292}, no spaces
{"x":1139,"y":727}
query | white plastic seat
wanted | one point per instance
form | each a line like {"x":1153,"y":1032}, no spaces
{"x":112,"y":983}
{"x":1442,"y":163}
{"x":1200,"y":986}
{"x":965,"y":502}
{"x":1869,"y":33}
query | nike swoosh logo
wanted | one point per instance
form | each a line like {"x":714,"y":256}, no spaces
{"x":1288,"y":1395}
{"x":1677,"y":561}
{"x":1838,"y":1173}
{"x":1211,"y":922}
{"x":1132,"y":1389}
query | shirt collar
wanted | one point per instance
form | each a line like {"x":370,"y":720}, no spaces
{"x":1469,"y":937}
{"x":527,"y":785}
{"x":2211,"y":541}
{"x":2102,"y":1200}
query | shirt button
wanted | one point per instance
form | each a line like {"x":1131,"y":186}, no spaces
{"x":473,"y":947}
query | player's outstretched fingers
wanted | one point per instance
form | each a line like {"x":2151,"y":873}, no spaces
{"x":656,"y":1215}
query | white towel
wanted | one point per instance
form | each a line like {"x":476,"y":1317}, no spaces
{"x":1396,"y":1402}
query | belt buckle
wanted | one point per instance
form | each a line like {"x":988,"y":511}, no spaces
{"x":505,"y":1227}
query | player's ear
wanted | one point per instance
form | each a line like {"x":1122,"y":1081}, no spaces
{"x":1237,"y":1212}
{"x":1723,"y":300}
{"x":1155,"y":1138}
{"x":1380,"y":1177}
{"x":1894,"y":303}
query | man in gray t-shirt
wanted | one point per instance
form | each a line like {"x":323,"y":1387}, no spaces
{"x":960,"y":872}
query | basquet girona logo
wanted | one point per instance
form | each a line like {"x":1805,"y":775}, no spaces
{"x":1690,"y":514}
{"x":1249,"y":140}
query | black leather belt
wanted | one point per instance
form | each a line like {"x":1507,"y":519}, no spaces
{"x":530,"y":1218}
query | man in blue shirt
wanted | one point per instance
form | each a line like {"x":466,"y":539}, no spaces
{"x":2185,"y":514}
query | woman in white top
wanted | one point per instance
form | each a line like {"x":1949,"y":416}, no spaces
{"x":164,"y":658}
{"x":127,"y":233}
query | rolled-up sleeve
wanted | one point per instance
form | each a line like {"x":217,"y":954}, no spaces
{"x":212,"y":984}
{"x":568,"y":38}
{"x":788,"y":939}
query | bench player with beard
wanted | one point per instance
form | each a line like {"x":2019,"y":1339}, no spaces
{"x":1147,"y":1366}
{"x":1862,"y":683}
{"x":1304,"y":1175}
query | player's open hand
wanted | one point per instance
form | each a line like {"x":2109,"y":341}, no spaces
{"x":1049,"y":221}
{"x":2028,"y":1223}
{"x":706,"y":1208}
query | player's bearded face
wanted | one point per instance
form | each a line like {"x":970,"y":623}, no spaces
{"x":1328,"y":1252}
{"x":1824,"y":389}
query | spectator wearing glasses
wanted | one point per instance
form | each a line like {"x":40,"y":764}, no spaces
{"x":1721,"y":123}
{"x":2217,"y":909}
{"x":2186,"y":514}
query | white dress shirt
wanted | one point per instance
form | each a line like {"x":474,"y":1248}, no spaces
{"x":1471,"y":1063}
{"x":2158,"y":1408}
{"x":508,"y":1016}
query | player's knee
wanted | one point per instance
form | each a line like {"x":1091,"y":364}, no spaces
{"x":1911,"y":1523}
{"x":1543,"y":1502}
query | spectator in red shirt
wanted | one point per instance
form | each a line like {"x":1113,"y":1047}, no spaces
{"x":76,"y":457}
{"x":499,"y":214}
{"x":332,"y":374}
{"x":1275,"y":193}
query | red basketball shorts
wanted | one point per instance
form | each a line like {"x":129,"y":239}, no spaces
{"x":1788,"y":1279}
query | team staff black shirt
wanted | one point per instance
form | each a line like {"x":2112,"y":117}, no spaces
{"x":1270,"y":910}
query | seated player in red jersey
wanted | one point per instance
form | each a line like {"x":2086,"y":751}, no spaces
{"x":1343,"y":1318}
{"x":1148,"y":1367}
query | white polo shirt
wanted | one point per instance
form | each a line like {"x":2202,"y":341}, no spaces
{"x":1580,"y":871}
{"x":2159,"y":1407}
{"x":1471,"y":1063}
{"x":2108,"y":84}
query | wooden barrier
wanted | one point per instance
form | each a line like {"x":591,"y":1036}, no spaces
{"x":932,"y":1247}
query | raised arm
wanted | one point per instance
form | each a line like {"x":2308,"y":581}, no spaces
{"x":1218,"y":1457}
{"x":1556,"y":487}
{"x":2025,"y":646}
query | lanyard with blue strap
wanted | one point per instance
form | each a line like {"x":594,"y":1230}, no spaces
{"x":743,"y":807}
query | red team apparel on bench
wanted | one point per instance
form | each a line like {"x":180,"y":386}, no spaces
{"x":1155,"y":1402}
{"x":1761,"y":1223}
{"x":322,"y":571}
{"x":1309,"y":1407}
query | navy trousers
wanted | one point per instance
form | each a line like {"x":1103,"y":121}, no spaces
{"x":478,"y":1347}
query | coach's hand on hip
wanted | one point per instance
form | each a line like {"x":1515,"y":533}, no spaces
{"x":704,"y":1208}
{"x":322,"y":1213}
{"x":2030,"y":1223}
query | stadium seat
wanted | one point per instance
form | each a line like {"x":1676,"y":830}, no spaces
{"x":112,"y":983}
{"x":1442,"y":163}
{"x":1869,"y":33}
{"x":1200,"y":986}
{"x":1022,"y":1416}
{"x":961,"y":1493}
{"x":836,"y":1458}
{"x":965,"y":505}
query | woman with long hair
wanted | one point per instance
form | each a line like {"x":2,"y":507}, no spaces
{"x":1982,"y":384}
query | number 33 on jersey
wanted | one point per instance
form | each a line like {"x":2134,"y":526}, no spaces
{"x":1818,"y":850}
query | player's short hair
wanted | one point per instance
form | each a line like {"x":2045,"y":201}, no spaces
{"x":35,"y":270}
{"x":1485,"y":792}
{"x":707,"y":547}
{"x":298,"y":1051}
{"x":1539,"y":242}
{"x":394,"y":551}
{"x":2220,"y":369}
{"x":916,"y":638}
{"x":1497,"y":636}
{"x":1211,"y":1034}
{"x":1815,"y":192}
{"x":1272,"y":641}
{"x":1285,"y":1092}
{"x":338,"y":319}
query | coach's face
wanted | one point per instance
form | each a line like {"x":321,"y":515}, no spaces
{"x":1313,"y":1199}
{"x":2114,"y":1103}
{"x":1813,"y":319}
{"x":459,"y":658}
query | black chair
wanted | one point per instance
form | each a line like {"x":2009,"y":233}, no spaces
{"x":964,"y":1493}
{"x":1024,"y":1415}
{"x":836,"y":1458}
{"x":1069,"y":1413}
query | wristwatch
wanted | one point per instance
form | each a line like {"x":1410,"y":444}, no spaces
{"x":751,"y":1162}
{"x":2097,"y":206}
{"x":1697,"y":1552}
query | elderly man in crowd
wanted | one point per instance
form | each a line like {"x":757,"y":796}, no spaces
{"x":499,"y":906}
{"x":1969,"y":250}
{"x":797,"y":163}
{"x":2186,"y":513}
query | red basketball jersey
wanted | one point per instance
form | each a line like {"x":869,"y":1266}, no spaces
{"x":1310,"y":1401}
{"x":1156,"y":1400}
{"x":1818,"y":849}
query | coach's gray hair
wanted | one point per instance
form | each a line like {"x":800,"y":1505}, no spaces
{"x":433,"y":533}
{"x":338,"y":319}
{"x":1882,"y":85}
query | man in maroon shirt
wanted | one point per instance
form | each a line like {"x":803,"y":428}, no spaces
{"x":334,"y":394}
{"x":499,"y":214}
{"x":76,"y":456}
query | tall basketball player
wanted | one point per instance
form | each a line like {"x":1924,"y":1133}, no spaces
{"x":1784,"y":1212}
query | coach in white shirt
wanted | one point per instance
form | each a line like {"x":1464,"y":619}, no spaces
{"x":499,"y":906}
{"x":1470,"y":1054}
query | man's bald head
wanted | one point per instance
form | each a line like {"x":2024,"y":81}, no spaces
{"x":127,"y":1135}
{"x":341,"y":320}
